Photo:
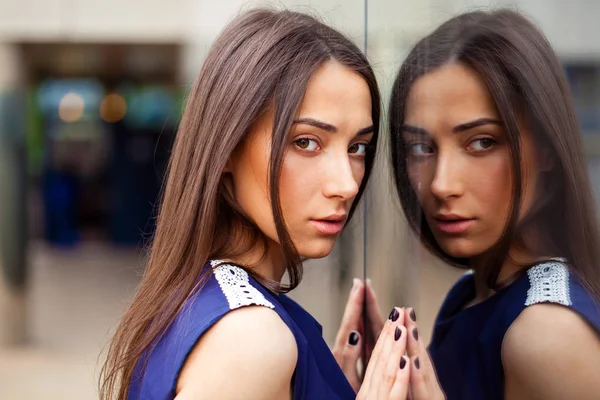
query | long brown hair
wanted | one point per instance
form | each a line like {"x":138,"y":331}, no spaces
{"x":262,"y":59}
{"x":524,"y":76}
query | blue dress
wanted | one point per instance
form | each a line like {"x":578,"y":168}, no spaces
{"x":467,"y":342}
{"x":317,"y":374}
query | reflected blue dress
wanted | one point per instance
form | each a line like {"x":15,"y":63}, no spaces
{"x":317,"y":375}
{"x":467,"y":342}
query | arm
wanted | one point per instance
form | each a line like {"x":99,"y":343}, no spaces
{"x":249,"y":353}
{"x":550,"y":352}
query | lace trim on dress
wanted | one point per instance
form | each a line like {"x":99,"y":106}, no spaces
{"x":549,"y":283}
{"x":235,"y":285}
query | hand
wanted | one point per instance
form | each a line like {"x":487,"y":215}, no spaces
{"x":347,"y":347}
{"x":348,"y":342}
{"x":423,"y":379}
{"x":374,"y":321}
{"x":388,"y":374}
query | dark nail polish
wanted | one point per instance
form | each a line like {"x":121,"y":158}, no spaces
{"x":353,"y":339}
{"x":417,"y":363}
{"x":413,"y":316}
{"x":394,"y":315}
{"x":402,"y":362}
{"x":415,"y":333}
{"x":398,"y":333}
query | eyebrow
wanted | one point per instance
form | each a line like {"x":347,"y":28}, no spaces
{"x":476,"y":123}
{"x":330,"y":128}
{"x":458,"y":128}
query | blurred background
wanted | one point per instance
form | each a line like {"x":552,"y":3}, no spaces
{"x":91,"y":93}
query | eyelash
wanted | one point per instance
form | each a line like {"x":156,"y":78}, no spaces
{"x":411,"y":146}
{"x":366,"y":145}
{"x":492,"y":143}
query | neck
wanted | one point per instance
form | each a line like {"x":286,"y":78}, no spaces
{"x":268,"y":264}
{"x":516,"y":262}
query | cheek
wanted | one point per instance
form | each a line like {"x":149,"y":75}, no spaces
{"x":296,"y":185}
{"x":251,"y":186}
{"x":254,"y":170}
{"x":493,"y":186}
{"x":358,"y":170}
{"x":421,"y":176}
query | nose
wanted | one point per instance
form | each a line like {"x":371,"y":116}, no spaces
{"x":340,"y":180}
{"x":448,"y":178}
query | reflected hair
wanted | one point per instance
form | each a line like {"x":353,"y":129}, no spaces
{"x":262,"y":61}
{"x":525,"y":78}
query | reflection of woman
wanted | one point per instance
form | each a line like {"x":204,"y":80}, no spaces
{"x":490,"y":171}
{"x":280,"y":126}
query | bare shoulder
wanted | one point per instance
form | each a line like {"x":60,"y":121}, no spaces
{"x":250,"y":350}
{"x":551,"y":352}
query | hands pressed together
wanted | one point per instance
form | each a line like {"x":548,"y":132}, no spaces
{"x":398,"y":365}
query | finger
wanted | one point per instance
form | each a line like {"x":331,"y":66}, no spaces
{"x":352,"y":313}
{"x":374,"y":360}
{"x":416,"y":344}
{"x":413,"y":345}
{"x":390,"y":353}
{"x":400,"y":388}
{"x":349,"y":359}
{"x":394,"y":359}
{"x":373,"y":370}
{"x":375,"y":317}
{"x":418,"y":382}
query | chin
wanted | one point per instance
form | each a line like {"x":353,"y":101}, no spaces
{"x":459,"y":248}
{"x":317,"y":248}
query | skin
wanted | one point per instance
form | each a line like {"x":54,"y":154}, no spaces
{"x":398,"y":367}
{"x":323,"y":167}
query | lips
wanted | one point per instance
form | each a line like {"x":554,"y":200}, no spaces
{"x":331,"y":225}
{"x":453,"y":224}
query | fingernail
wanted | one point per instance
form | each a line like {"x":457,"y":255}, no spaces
{"x":369,"y":282}
{"x":394,"y":315}
{"x":354,"y":283}
{"x":415,"y":333}
{"x":417,"y":363}
{"x":397,"y":334}
{"x":402,"y":362}
{"x":413,"y":316}
{"x":353,"y":339}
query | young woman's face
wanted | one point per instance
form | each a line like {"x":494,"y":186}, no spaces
{"x":323,"y":165}
{"x":459,"y":162}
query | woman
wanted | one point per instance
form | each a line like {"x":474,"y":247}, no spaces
{"x":491,"y":175}
{"x":489,"y":167}
{"x":272,"y":155}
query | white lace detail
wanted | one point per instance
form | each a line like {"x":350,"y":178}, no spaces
{"x":549,"y":283}
{"x":236,"y":287}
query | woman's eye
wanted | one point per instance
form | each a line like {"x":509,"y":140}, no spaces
{"x":358,"y":149}
{"x":307,"y":144}
{"x":420,"y":149}
{"x":481,"y":144}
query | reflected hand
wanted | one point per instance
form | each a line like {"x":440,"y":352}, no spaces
{"x":423,"y":379}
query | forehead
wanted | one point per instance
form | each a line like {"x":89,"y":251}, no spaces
{"x":336,"y":94}
{"x":448,"y":96}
